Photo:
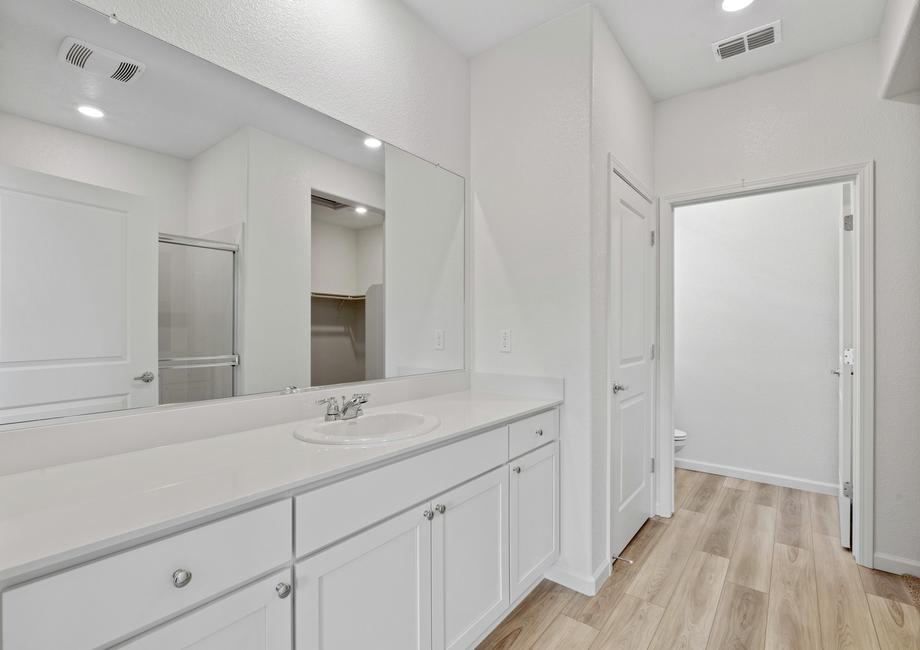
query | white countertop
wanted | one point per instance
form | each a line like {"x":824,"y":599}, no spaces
{"x":60,"y":515}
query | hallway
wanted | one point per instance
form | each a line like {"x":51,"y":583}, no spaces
{"x":739,"y":565}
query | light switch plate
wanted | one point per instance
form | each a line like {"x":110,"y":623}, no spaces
{"x":439,"y":339}
{"x":504,"y":340}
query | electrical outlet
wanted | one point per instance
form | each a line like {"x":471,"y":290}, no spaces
{"x":504,"y":340}
{"x":439,"y":339}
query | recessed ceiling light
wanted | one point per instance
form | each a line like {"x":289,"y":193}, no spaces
{"x":361,"y":209}
{"x":372,"y":143}
{"x":735,"y":5}
{"x":90,"y":111}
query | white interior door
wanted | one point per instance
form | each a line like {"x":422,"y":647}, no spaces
{"x":845,"y":367}
{"x":630,"y":323}
{"x":78,"y":298}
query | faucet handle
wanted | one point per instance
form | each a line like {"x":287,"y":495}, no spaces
{"x":360,"y":398}
{"x":331,"y":402}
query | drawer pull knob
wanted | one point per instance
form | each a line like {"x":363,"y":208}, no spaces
{"x":181,"y":577}
{"x":440,"y":508}
{"x":283,"y":589}
{"x":428,"y":514}
{"x":539,"y":432}
{"x":516,"y":469}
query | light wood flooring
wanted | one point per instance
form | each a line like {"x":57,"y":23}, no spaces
{"x":739,"y":565}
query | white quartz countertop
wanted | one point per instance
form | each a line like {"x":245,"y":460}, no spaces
{"x":59,"y":515}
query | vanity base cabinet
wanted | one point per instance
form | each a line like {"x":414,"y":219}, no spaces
{"x":470,"y":560}
{"x":257,"y":617}
{"x":372,"y":590}
{"x":534,"y":513}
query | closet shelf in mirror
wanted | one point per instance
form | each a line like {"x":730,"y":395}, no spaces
{"x":335,"y":296}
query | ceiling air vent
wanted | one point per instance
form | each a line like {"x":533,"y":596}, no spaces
{"x":327,"y":202}
{"x":750,"y":40}
{"x":99,"y":61}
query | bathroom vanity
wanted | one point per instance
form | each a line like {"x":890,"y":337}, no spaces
{"x":260,"y":540}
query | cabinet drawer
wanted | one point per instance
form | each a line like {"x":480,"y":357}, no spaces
{"x":332,"y":512}
{"x":532,"y":432}
{"x":99,"y":602}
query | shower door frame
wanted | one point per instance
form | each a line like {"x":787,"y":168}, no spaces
{"x":233,"y":359}
{"x":862,"y":175}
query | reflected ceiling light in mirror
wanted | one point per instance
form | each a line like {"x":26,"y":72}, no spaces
{"x":735,"y":5}
{"x":372,"y":143}
{"x":361,"y":209}
{"x":90,"y":111}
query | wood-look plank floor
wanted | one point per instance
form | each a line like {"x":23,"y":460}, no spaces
{"x":739,"y":565}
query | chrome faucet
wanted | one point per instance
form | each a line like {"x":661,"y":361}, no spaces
{"x":352,"y":408}
{"x":349,"y":410}
{"x":332,"y":408}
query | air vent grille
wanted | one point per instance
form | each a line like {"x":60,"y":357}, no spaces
{"x":78,"y":55}
{"x":761,"y":38}
{"x":99,"y":61}
{"x":125,"y":72}
{"x":327,"y":202}
{"x":750,"y":40}
{"x":733,"y":47}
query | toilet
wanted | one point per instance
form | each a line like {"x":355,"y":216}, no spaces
{"x":680,"y":439}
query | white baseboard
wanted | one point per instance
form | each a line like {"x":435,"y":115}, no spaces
{"x":895,"y":564}
{"x":587,"y":585}
{"x":753,"y":475}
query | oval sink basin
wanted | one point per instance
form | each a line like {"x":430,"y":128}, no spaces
{"x":369,"y":429}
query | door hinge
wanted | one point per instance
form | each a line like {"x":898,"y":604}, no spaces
{"x":651,"y":352}
{"x":653,"y":466}
{"x":849,"y":356}
{"x":652,"y":238}
{"x":848,"y":490}
{"x":848,"y":222}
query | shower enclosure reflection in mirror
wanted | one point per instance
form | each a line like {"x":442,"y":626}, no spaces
{"x":173,"y":232}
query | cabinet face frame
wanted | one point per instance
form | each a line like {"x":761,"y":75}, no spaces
{"x":493,"y":484}
{"x":521,"y":580}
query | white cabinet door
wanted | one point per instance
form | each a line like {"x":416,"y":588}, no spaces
{"x":257,"y":617}
{"x":78,"y":298}
{"x":534,"y":516}
{"x":370,"y":591}
{"x":469,"y":560}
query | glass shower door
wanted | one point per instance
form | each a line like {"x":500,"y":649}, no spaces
{"x":196,"y":319}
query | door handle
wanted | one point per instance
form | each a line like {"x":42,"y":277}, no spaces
{"x":146,"y":377}
{"x":834,"y":371}
{"x":617,"y":388}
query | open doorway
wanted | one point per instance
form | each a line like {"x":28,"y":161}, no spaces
{"x":766,"y":342}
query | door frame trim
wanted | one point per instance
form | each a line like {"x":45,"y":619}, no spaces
{"x":863,"y":177}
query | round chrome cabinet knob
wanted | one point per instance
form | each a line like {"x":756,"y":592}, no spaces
{"x":181,"y":578}
{"x":539,"y":432}
{"x":441,"y":508}
{"x":428,"y":514}
{"x":516,"y":469}
{"x":283,"y":589}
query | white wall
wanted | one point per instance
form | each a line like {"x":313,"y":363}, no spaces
{"x":88,"y":159}
{"x":334,"y":259}
{"x":423,"y":265}
{"x":899,"y":43}
{"x":345,"y":260}
{"x":370,"y":258}
{"x":622,"y":123}
{"x":818,"y":114}
{"x":547,"y":107}
{"x":370,"y":63}
{"x":755,"y":330}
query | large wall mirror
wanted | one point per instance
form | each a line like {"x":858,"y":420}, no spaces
{"x":171,"y":232}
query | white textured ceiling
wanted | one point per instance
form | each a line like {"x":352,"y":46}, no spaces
{"x":669,"y":41}
{"x":180,"y":106}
